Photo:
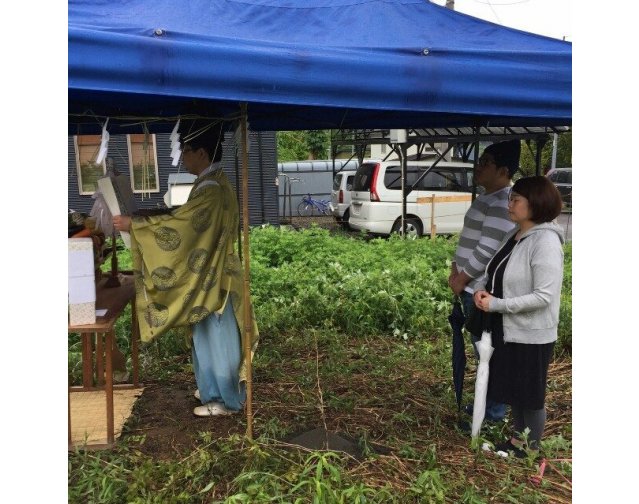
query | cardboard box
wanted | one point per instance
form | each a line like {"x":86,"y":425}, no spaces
{"x":81,"y":282}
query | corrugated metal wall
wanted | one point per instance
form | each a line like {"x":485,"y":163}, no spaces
{"x":309,"y":177}
{"x":263,"y":193}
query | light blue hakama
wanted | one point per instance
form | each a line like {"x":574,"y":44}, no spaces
{"x":216,"y":359}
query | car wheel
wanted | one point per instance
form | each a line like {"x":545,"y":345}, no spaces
{"x":413,"y":227}
{"x":345,"y":218}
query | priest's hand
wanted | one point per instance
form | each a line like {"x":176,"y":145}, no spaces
{"x":122,"y":222}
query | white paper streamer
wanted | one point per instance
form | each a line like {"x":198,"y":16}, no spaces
{"x":176,"y":152}
{"x":104,"y":144}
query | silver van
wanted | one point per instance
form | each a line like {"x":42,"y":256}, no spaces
{"x":376,"y":204}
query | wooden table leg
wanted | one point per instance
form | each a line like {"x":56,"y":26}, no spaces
{"x":108,"y":387}
{"x":135,"y":336}
{"x":99,"y":360}
{"x":87,"y":360}
{"x":70,"y":440}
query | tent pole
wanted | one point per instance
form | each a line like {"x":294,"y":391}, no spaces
{"x":475,"y":160}
{"x":540,"y":141}
{"x":247,"y":282}
{"x":404,"y":150}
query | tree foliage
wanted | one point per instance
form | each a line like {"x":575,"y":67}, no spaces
{"x":318,"y":142}
{"x":302,"y":145}
{"x":564,"y":155}
{"x":291,"y":146}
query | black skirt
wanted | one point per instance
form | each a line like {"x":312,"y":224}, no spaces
{"x":518,"y":371}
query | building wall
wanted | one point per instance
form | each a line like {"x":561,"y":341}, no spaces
{"x":263,"y":192}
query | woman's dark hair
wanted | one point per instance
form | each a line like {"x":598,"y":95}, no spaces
{"x":544,"y":199}
{"x":209,"y":139}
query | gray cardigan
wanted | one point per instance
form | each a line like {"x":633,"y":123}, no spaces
{"x":532,"y":286}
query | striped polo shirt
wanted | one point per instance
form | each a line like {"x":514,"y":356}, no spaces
{"x":485,"y":224}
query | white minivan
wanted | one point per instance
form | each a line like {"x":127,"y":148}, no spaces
{"x":376,"y":204}
{"x":341,"y":195}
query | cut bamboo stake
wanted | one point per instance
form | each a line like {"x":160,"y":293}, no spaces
{"x":247,"y":283}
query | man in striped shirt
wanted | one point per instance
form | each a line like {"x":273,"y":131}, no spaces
{"x":485,"y":224}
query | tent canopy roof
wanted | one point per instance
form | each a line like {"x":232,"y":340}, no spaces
{"x":315,"y":64}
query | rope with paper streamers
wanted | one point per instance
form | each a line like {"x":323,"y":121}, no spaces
{"x":140,"y":120}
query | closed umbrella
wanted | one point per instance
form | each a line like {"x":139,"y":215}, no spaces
{"x":485,"y":350}
{"x":456,"y":320}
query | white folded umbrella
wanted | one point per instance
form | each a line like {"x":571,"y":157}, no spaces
{"x":485,"y":350}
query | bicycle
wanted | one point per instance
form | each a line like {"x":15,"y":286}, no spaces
{"x":308,"y":206}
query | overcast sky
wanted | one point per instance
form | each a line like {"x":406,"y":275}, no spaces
{"x":551,"y":18}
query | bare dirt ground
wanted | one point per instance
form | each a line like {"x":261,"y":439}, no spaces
{"x":164,"y":412}
{"x":164,"y":416}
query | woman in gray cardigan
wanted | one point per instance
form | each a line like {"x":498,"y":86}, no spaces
{"x":521,"y":289}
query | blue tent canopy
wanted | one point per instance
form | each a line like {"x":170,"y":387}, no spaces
{"x":309,"y":64}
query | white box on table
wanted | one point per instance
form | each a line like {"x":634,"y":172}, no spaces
{"x":81,"y":282}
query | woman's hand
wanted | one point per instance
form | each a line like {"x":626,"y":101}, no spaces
{"x":482,"y":300}
{"x":122,"y":222}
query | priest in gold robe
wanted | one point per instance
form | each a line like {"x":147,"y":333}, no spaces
{"x":188,"y":274}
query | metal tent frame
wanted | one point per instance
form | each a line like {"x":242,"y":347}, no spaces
{"x":468,"y":137}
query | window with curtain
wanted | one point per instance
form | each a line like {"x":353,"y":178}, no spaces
{"x":86,"y":150}
{"x":143,"y":166}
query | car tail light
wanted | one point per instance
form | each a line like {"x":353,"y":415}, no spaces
{"x":340,"y":198}
{"x":374,"y":195}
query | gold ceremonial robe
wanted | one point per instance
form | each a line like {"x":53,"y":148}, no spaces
{"x":185,"y":263}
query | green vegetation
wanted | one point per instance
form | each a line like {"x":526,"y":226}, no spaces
{"x":367,"y":320}
{"x":310,"y":144}
{"x":379,"y":287}
{"x":301,"y":145}
{"x":564,"y":154}
{"x":291,"y":146}
{"x":318,"y":142}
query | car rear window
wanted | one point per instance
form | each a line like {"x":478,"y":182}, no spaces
{"x":563,"y":177}
{"x":444,"y":179}
{"x":349,"y":182}
{"x":363,"y":177}
{"x":336,"y":181}
{"x":393,"y":176}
